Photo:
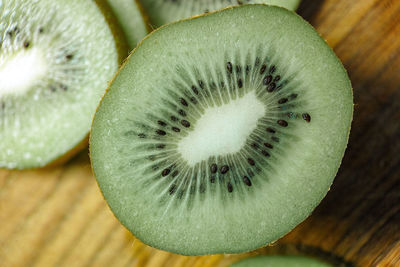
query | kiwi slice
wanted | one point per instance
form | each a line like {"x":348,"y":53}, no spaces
{"x":56,"y":59}
{"x":223,"y":132}
{"x":131,"y":19}
{"x":280,"y":261}
{"x":161,"y":12}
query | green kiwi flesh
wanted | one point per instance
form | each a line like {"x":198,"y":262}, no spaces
{"x":131,"y":19}
{"x":161,"y":12}
{"x":56,"y":59}
{"x":280,"y":261}
{"x":223,"y":132}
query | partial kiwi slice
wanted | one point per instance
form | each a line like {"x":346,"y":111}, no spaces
{"x":131,"y":19}
{"x":56,"y":59}
{"x":161,"y":12}
{"x":221,"y":133}
{"x":280,"y":261}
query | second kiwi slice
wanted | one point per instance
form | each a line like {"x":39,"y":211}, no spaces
{"x":221,"y":133}
{"x":162,"y":12}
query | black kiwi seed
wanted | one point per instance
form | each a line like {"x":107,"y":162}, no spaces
{"x":306,"y":117}
{"x":240,"y":83}
{"x":267,"y":80}
{"x":213,"y":168}
{"x":183,"y":102}
{"x":229,"y":67}
{"x":277,"y":78}
{"x":161,"y":132}
{"x":173,"y":118}
{"x":165,"y":172}
{"x":175,"y":173}
{"x":293,"y":96}
{"x":265,"y":153}
{"x":224,"y":169}
{"x":275,"y":139}
{"x":282,"y":123}
{"x":26,"y":44}
{"x":194,"y":101}
{"x":69,"y":57}
{"x":212,"y":179}
{"x":268,"y":145}
{"x":251,"y":161}
{"x":201,"y":84}
{"x":272,"y":69}
{"x":142,"y":135}
{"x":194,"y":89}
{"x":161,"y":123}
{"x":182,"y":113}
{"x":282,"y":100}
{"x":160,"y":146}
{"x":185,"y":123}
{"x":246,"y":180}
{"x":41,"y":30}
{"x":176,"y":129}
{"x":271,"y":87}
{"x":270,"y":130}
{"x":230,"y":188}
{"x":263,"y":68}
{"x":172,"y":189}
{"x":254,"y":145}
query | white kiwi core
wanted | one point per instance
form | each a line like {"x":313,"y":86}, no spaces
{"x":222,"y":130}
{"x":19,"y":72}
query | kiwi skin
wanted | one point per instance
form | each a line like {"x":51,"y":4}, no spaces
{"x":202,"y":15}
{"x":145,"y":16}
{"x":122,"y":47}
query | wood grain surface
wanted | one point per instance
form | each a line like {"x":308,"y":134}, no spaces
{"x":58,"y":217}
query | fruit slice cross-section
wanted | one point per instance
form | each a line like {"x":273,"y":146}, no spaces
{"x":161,"y":12}
{"x":221,"y":133}
{"x":56,"y":59}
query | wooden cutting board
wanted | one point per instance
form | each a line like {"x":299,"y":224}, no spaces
{"x":57,"y":217}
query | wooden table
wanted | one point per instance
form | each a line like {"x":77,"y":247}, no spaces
{"x":57,"y":217}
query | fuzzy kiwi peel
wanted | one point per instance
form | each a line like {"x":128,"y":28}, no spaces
{"x":162,"y":12}
{"x":45,"y":116}
{"x":167,"y":166}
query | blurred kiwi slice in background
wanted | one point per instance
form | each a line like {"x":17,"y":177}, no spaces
{"x":132,"y":20}
{"x":162,"y":12}
{"x":280,"y":261}
{"x":56,"y":59}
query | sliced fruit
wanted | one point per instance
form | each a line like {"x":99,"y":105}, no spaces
{"x":280,"y":261}
{"x":221,"y":133}
{"x":131,"y":19}
{"x":164,"y":11}
{"x":56,"y":59}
